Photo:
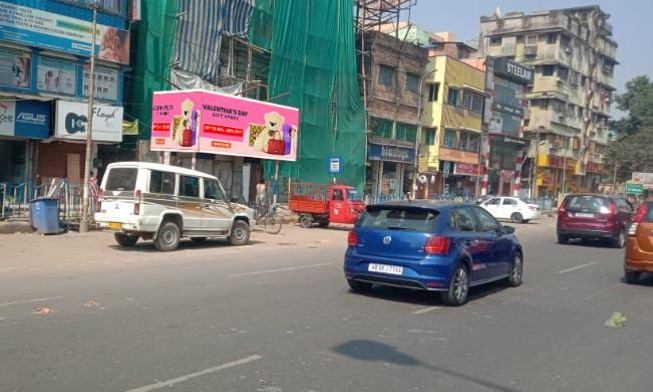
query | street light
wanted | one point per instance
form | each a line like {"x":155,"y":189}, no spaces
{"x":84,"y":218}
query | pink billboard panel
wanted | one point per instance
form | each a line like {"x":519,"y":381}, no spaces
{"x":208,"y":122}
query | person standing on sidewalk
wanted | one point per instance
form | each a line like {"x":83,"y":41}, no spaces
{"x":260,"y":192}
{"x":94,"y":194}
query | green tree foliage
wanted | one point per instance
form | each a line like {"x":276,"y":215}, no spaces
{"x":632,"y":152}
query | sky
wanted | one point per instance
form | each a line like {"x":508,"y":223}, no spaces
{"x":630,"y":19}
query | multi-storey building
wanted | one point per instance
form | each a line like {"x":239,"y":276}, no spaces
{"x":573,"y":55}
{"x":454,"y":96}
{"x":45,"y":47}
{"x":391,"y":74}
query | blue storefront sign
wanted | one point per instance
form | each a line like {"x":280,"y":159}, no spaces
{"x":30,"y":119}
{"x":380,"y":152}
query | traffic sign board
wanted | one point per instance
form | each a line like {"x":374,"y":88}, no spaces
{"x":634,"y":189}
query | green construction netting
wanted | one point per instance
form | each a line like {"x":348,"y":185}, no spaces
{"x":313,"y":68}
{"x":152,"y":44}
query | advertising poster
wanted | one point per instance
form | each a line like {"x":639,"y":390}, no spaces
{"x":35,"y":27}
{"x":106,"y":83}
{"x":15,"y":68}
{"x":72,"y":120}
{"x":56,"y":76}
{"x":209,"y":122}
{"x":25,"y":119}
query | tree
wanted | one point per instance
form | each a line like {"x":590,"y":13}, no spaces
{"x":637,"y":101}
{"x":631,"y":152}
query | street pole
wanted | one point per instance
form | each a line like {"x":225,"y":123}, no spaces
{"x":84,"y":219}
{"x":534,"y":162}
{"x":418,"y":134}
{"x":564,"y":174}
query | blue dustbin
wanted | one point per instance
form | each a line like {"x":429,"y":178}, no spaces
{"x":44,"y":215}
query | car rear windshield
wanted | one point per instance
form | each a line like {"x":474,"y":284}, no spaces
{"x":121,"y":179}
{"x":586,"y":203}
{"x":648,"y":217}
{"x":399,"y":218}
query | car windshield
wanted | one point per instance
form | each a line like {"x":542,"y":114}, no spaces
{"x":354,"y":195}
{"x":586,"y":203}
{"x":121,"y":179}
{"x":399,"y":218}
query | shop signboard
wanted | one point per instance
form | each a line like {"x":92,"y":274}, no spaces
{"x":634,"y":189}
{"x":469,"y":169}
{"x":210,"y":122}
{"x":642,"y":178}
{"x":24,"y":118}
{"x":72,"y":121}
{"x":514,"y":71}
{"x":106,"y":83}
{"x":35,"y":27}
{"x":15,"y":68}
{"x":381,"y":152}
{"x":56,"y":76}
{"x":334,"y":165}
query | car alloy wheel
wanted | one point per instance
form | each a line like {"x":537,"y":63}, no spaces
{"x":461,"y":285}
{"x":517,"y":271}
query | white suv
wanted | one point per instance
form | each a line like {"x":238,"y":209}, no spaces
{"x":165,"y":203}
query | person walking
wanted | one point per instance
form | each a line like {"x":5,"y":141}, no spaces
{"x":94,"y":193}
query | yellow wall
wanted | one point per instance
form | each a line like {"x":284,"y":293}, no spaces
{"x":449,"y":72}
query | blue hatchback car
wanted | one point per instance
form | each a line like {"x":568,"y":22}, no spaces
{"x":435,"y":246}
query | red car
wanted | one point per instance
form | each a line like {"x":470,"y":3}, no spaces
{"x":590,"y":216}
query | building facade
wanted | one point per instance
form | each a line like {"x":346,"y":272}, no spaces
{"x":454,"y":96}
{"x":391,"y":75}
{"x":45,"y":46}
{"x":573,"y":56}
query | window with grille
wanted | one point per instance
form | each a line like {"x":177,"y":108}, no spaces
{"x":473,"y":101}
{"x":406,"y":132}
{"x":434,"y":90}
{"x":412,"y":83}
{"x":386,"y":75}
{"x":453,"y":97}
{"x":428,"y":136}
{"x":450,"y":139}
{"x":381,"y":127}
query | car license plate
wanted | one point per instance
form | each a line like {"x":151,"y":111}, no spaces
{"x":584,"y":215}
{"x":385,"y":269}
{"x":115,"y":225}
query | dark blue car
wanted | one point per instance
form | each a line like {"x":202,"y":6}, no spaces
{"x":436,"y":246}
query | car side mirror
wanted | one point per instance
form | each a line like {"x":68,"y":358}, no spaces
{"x":507,"y":230}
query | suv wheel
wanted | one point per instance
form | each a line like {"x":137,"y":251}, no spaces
{"x":458,"y":287}
{"x":239,"y":233}
{"x":631,"y":277}
{"x":168,"y":237}
{"x":517,"y":271}
{"x":125,"y":240}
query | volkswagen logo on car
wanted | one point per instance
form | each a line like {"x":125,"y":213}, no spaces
{"x":387,"y":240}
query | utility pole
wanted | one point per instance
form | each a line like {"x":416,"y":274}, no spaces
{"x":418,"y":133}
{"x":84,"y":218}
{"x":535,"y":159}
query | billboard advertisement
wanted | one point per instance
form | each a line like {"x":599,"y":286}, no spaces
{"x":56,"y":75}
{"x":35,"y":27}
{"x":72,"y":119}
{"x":209,"y":122}
{"x":25,"y":118}
{"x":15,"y":68}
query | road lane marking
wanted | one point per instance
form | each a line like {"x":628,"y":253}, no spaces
{"x":174,"y":381}
{"x":278,"y":270}
{"x":426,"y":310}
{"x":29,"y":301}
{"x":564,"y":271}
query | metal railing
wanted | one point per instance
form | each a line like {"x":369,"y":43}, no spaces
{"x":15,"y":199}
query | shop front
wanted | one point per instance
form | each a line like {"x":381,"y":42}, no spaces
{"x":459,"y":179}
{"x":391,"y":169}
{"x":504,"y":169}
{"x":22,"y":123}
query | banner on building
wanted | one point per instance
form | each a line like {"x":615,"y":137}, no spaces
{"x":642,"y":178}
{"x":130,"y":128}
{"x":35,"y":27}
{"x":469,"y":169}
{"x":15,"y":68}
{"x":72,"y":121}
{"x":106,"y":83}
{"x":29,"y":119}
{"x":56,"y":76}
{"x":209,"y":122}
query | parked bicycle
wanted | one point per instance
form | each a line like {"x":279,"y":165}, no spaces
{"x":266,"y":216}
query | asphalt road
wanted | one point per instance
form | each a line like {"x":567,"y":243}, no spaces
{"x":277,"y":316}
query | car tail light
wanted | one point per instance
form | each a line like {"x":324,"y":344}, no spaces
{"x":352,"y":238}
{"x":437,"y":245}
{"x":137,"y":202}
{"x":562,"y":208}
{"x":639,"y":217}
{"x":533,"y":208}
